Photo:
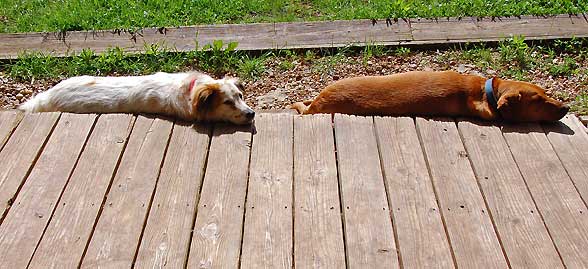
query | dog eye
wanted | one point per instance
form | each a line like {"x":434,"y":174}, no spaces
{"x":228,"y":102}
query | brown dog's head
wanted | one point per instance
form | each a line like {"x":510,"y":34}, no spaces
{"x":525,"y":102}
{"x":221,"y":100}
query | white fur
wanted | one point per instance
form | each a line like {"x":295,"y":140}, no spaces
{"x":160,"y":93}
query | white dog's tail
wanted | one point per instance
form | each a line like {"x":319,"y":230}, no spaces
{"x":38,"y":103}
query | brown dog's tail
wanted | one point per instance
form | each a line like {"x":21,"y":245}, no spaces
{"x":300,"y":107}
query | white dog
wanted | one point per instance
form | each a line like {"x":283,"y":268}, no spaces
{"x":190,"y":96}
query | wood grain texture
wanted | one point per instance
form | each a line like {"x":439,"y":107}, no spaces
{"x":471,"y":234}
{"x":116,"y":236}
{"x":216,"y":241}
{"x":317,"y":34}
{"x":24,"y":225}
{"x":256,"y":36}
{"x":169,"y":227}
{"x":318,"y":230}
{"x":421,"y":235}
{"x":571,"y":145}
{"x":267,"y":234}
{"x":8,"y":122}
{"x":523,"y":234}
{"x":74,"y":217}
{"x":474,"y":29}
{"x":369,"y":236}
{"x":20,"y":152}
{"x":558,"y":201}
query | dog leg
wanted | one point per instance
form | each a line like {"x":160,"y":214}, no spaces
{"x":300,"y":107}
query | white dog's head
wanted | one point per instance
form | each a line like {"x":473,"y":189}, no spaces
{"x":221,"y":100}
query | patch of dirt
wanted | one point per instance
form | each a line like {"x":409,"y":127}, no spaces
{"x":13,"y":93}
{"x":288,"y":80}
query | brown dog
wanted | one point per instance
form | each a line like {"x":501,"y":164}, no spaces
{"x":436,"y":94}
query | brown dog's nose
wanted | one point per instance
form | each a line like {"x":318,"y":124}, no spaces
{"x":564,"y":109}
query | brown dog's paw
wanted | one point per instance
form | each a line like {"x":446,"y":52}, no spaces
{"x":300,"y":107}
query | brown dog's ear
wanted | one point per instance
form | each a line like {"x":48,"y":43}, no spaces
{"x":509,"y":98}
{"x":203,"y":99}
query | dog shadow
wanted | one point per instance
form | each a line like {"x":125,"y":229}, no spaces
{"x":207,"y":128}
{"x":525,"y":128}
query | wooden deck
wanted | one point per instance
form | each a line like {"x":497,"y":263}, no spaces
{"x":320,"y":34}
{"x":117,"y":191}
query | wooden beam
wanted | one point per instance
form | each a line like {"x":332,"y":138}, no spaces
{"x":169,"y":227}
{"x":369,"y":235}
{"x":28,"y":217}
{"x":116,"y":235}
{"x":217,"y":233}
{"x":20,"y":153}
{"x":471,"y":232}
{"x":75,"y":215}
{"x":421,"y":235}
{"x":267,"y":236}
{"x":318,"y":229}
{"x":320,"y":34}
{"x":558,"y":201}
{"x":523,"y":234}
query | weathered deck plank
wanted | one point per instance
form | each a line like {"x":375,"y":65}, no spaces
{"x":20,"y":153}
{"x":472,"y":29}
{"x":267,"y":236}
{"x":275,"y":198}
{"x":169,"y":227}
{"x":26,"y":221}
{"x":83,"y":195}
{"x":571,"y":145}
{"x":318,"y":229}
{"x":8,"y":122}
{"x":558,"y":201}
{"x":421,"y":236}
{"x":471,"y":233}
{"x":523,"y":234}
{"x":317,"y":34}
{"x":117,"y":233}
{"x":369,"y":235}
{"x":216,"y":241}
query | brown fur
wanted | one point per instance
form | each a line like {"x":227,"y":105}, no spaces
{"x":434,"y":94}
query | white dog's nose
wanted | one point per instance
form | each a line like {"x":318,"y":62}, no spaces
{"x":250,"y":114}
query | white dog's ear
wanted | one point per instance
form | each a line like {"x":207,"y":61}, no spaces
{"x":204,"y":98}
{"x":239,"y":85}
{"x":237,"y":82}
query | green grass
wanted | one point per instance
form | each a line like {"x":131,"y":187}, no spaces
{"x":68,"y":15}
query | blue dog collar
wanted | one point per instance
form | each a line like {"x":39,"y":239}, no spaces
{"x":490,"y":94}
